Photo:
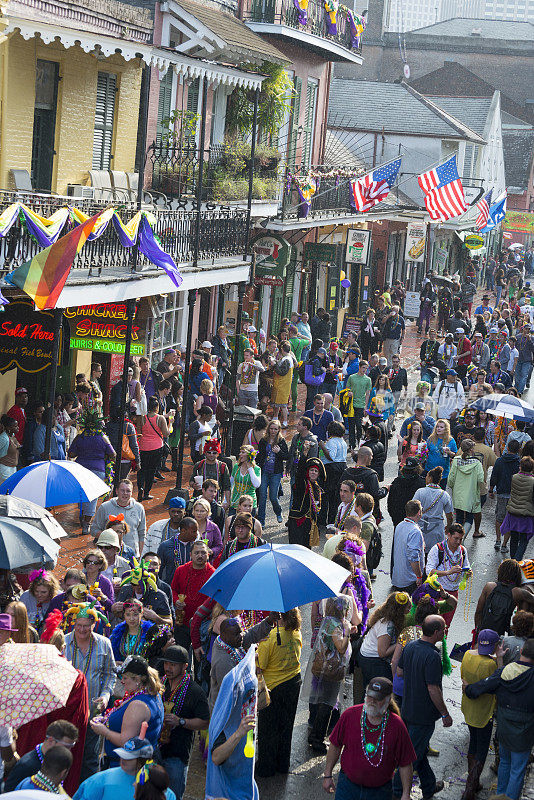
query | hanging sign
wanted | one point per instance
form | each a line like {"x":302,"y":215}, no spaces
{"x":26,"y":338}
{"x":412,"y":304}
{"x":273,"y":254}
{"x":415,"y":242}
{"x":357,"y":246}
{"x":102,"y":328}
{"x":473,"y":241}
{"x":320,"y":252}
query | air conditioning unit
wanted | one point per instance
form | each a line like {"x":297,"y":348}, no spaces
{"x":78,"y":190}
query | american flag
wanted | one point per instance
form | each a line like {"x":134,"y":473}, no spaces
{"x":375,"y":186}
{"x":443,"y":190}
{"x":483,"y":207}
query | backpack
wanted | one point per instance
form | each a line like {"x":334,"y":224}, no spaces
{"x":442,"y":384}
{"x":441,"y":550}
{"x":374,"y":552}
{"x":498,"y":610}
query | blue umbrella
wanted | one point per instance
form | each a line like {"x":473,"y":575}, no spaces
{"x":505,"y":405}
{"x":274,"y":577}
{"x":55,"y":483}
{"x":22,"y":544}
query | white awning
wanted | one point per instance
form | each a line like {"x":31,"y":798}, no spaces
{"x":152,"y":56}
{"x":91,"y":291}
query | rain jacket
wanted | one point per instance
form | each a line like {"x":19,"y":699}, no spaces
{"x":514,"y":687}
{"x":466,"y":480}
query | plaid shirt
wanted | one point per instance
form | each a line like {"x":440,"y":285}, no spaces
{"x":101,"y":670}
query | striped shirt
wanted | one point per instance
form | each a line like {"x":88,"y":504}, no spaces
{"x":98,"y":665}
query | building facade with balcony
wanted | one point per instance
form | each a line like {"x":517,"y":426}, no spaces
{"x":76,"y":82}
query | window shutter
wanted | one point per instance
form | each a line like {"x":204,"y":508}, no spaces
{"x":309,"y":122}
{"x":295,"y":113}
{"x":164,"y":105}
{"x":104,"y":120}
{"x":290,"y":284}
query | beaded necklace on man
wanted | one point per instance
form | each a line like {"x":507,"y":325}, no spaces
{"x":86,"y":660}
{"x":451,"y":559}
{"x":370,"y":750}
{"x":252,"y":542}
{"x":342,"y":515}
{"x":176,"y":697}
{"x":40,"y":781}
{"x":237,"y":654}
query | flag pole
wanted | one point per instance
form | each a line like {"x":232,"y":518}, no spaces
{"x":58,"y":320}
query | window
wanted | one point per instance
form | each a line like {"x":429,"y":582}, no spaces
{"x":106,"y":88}
{"x":312,"y":88}
{"x":166,"y":324}
{"x":164,"y":105}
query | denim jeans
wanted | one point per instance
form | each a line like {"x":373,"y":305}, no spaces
{"x":269,"y":482}
{"x":512,"y":768}
{"x":518,"y":545}
{"x":89,"y":507}
{"x":347,"y":790}
{"x":498,"y":292}
{"x":522,"y":371}
{"x":177,"y":772}
{"x":420,"y":736}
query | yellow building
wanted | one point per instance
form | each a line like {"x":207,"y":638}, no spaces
{"x":70,"y":88}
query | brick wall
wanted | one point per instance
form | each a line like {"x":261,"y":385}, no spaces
{"x":75,"y":112}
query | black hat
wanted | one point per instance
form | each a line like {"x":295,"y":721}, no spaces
{"x":176,"y":655}
{"x":411,"y":464}
{"x":135,"y":665}
{"x":380,"y":688}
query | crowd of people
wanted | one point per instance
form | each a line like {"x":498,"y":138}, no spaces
{"x":160,"y":663}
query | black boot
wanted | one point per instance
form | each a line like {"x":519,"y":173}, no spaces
{"x":320,"y":726}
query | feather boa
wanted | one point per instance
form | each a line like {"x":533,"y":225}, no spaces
{"x":362,"y":596}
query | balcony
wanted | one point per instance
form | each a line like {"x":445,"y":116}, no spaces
{"x":174,"y":170}
{"x":222,"y":235}
{"x":331,"y":200}
{"x":281,"y":18}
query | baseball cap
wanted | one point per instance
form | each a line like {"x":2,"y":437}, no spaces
{"x":503,"y":332}
{"x":177,"y":502}
{"x":478,"y":333}
{"x":135,"y":748}
{"x":207,"y":344}
{"x":380,"y":688}
{"x":21,"y":390}
{"x":170,"y":352}
{"x":334,"y":346}
{"x":494,"y":329}
{"x":322,"y":351}
{"x":420,"y":407}
{"x":449,"y":336}
{"x":110,"y":537}
{"x":487,"y":639}
{"x":176,"y":654}
{"x":252,"y":329}
{"x":382,"y":360}
{"x":451,"y":372}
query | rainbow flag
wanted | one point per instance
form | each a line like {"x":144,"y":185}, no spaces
{"x":45,"y":275}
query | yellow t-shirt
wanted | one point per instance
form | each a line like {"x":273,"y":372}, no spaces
{"x":280,"y":662}
{"x":477,"y":713}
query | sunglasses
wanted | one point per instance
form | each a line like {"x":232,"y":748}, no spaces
{"x":93,"y":562}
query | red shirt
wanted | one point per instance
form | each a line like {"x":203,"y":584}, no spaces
{"x":464,"y":352}
{"x":190,"y":581}
{"x":398,"y":749}
{"x":18,"y":413}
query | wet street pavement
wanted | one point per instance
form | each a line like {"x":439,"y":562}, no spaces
{"x":306,"y":769}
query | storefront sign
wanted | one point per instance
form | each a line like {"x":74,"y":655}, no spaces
{"x":26,"y":338}
{"x":105,"y":346}
{"x":268,"y":280}
{"x":273,"y":254}
{"x":350,"y":325}
{"x":412,"y":304}
{"x":322,"y":253}
{"x":357,"y":246}
{"x":415,"y":242}
{"x":473,"y":241}
{"x":102,"y":328}
{"x":519,"y":222}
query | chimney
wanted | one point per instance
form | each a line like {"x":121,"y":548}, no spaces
{"x":376,"y":17}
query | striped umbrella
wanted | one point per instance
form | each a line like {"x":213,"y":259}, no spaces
{"x":55,"y":483}
{"x":505,"y":405}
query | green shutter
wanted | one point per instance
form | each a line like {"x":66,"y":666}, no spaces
{"x":294,"y":130}
{"x":309,"y":122}
{"x":290,"y":284}
{"x":106,"y":88}
{"x":278,"y":299}
{"x":164,"y":105}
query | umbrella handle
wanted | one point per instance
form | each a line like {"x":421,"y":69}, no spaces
{"x":278,"y":639}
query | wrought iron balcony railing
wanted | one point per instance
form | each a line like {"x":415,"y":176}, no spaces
{"x":222,"y":233}
{"x":332,"y":198}
{"x":284,"y":12}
